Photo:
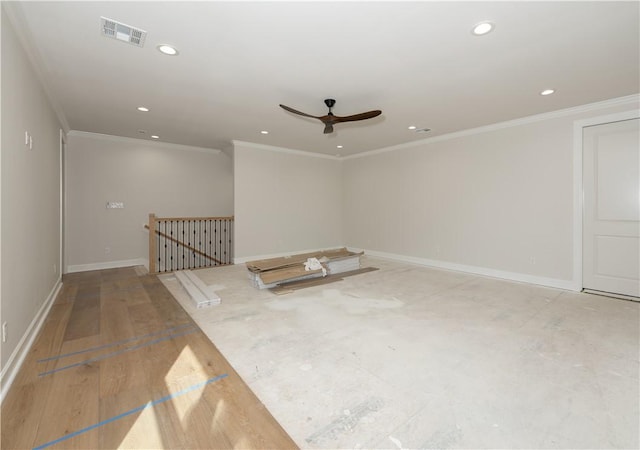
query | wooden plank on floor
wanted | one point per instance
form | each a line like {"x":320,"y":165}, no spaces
{"x":282,"y":275}
{"x":137,"y":430}
{"x":286,"y":288}
{"x":71,"y":404}
{"x":263,"y":265}
{"x":85,"y":315}
{"x":48,"y":343}
{"x":166,"y":306}
{"x":27,"y":397}
{"x":161,"y":390}
{"x":23,"y":408}
{"x":120,"y":373}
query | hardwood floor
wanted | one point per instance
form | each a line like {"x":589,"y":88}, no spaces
{"x":119,"y":364}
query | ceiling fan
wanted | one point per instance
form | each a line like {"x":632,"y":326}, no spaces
{"x":330,"y":119}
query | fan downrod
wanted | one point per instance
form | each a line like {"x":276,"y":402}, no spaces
{"x":329,"y":102}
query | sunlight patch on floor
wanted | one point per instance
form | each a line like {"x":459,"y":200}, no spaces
{"x":145,"y":432}
{"x":185,"y":371}
{"x":218,"y":414}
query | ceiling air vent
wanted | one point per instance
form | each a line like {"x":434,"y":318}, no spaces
{"x":125,"y":33}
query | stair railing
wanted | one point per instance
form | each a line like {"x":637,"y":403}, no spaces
{"x":180,"y":243}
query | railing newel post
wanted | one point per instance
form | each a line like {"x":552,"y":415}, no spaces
{"x":152,"y":243}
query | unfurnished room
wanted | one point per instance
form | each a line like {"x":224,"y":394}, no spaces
{"x":320,"y":224}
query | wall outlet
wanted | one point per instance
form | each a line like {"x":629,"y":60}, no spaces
{"x":5,"y":331}
{"x":107,"y":250}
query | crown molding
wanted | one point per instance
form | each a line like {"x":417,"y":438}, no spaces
{"x":15,"y":16}
{"x":590,"y":107}
{"x":145,"y":142}
{"x":290,"y":151}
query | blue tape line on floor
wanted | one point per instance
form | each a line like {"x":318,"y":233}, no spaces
{"x":132,"y":411}
{"x":119,"y":352}
{"x":113,"y":344}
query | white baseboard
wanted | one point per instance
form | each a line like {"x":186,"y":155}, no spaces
{"x":107,"y":265}
{"x":567,"y":285}
{"x":11,"y":368}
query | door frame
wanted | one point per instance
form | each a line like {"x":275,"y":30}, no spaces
{"x":578,"y":185}
{"x":63,"y":203}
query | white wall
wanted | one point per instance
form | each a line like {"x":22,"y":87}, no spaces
{"x":148,"y":177}
{"x":30,"y":201}
{"x":499,"y":201}
{"x":285,"y":201}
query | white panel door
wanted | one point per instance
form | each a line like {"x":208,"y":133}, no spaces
{"x":611,"y":227}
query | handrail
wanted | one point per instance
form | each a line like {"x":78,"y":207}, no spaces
{"x":194,"y":250}
{"x":166,"y":219}
{"x":207,"y":227}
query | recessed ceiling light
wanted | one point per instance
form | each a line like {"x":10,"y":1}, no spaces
{"x":547,"y":92}
{"x":167,"y":50}
{"x":482,"y":28}
{"x":143,"y":109}
{"x":412,"y":127}
{"x":264,"y":132}
{"x":155,"y":136}
{"x":338,"y":146}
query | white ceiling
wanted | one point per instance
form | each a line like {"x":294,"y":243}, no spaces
{"x":417,"y":61}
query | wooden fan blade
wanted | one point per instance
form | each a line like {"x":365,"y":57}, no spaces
{"x":298,"y":112}
{"x":328,"y":128}
{"x":361,"y":116}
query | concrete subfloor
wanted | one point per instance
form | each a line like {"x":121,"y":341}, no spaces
{"x":413,"y":357}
